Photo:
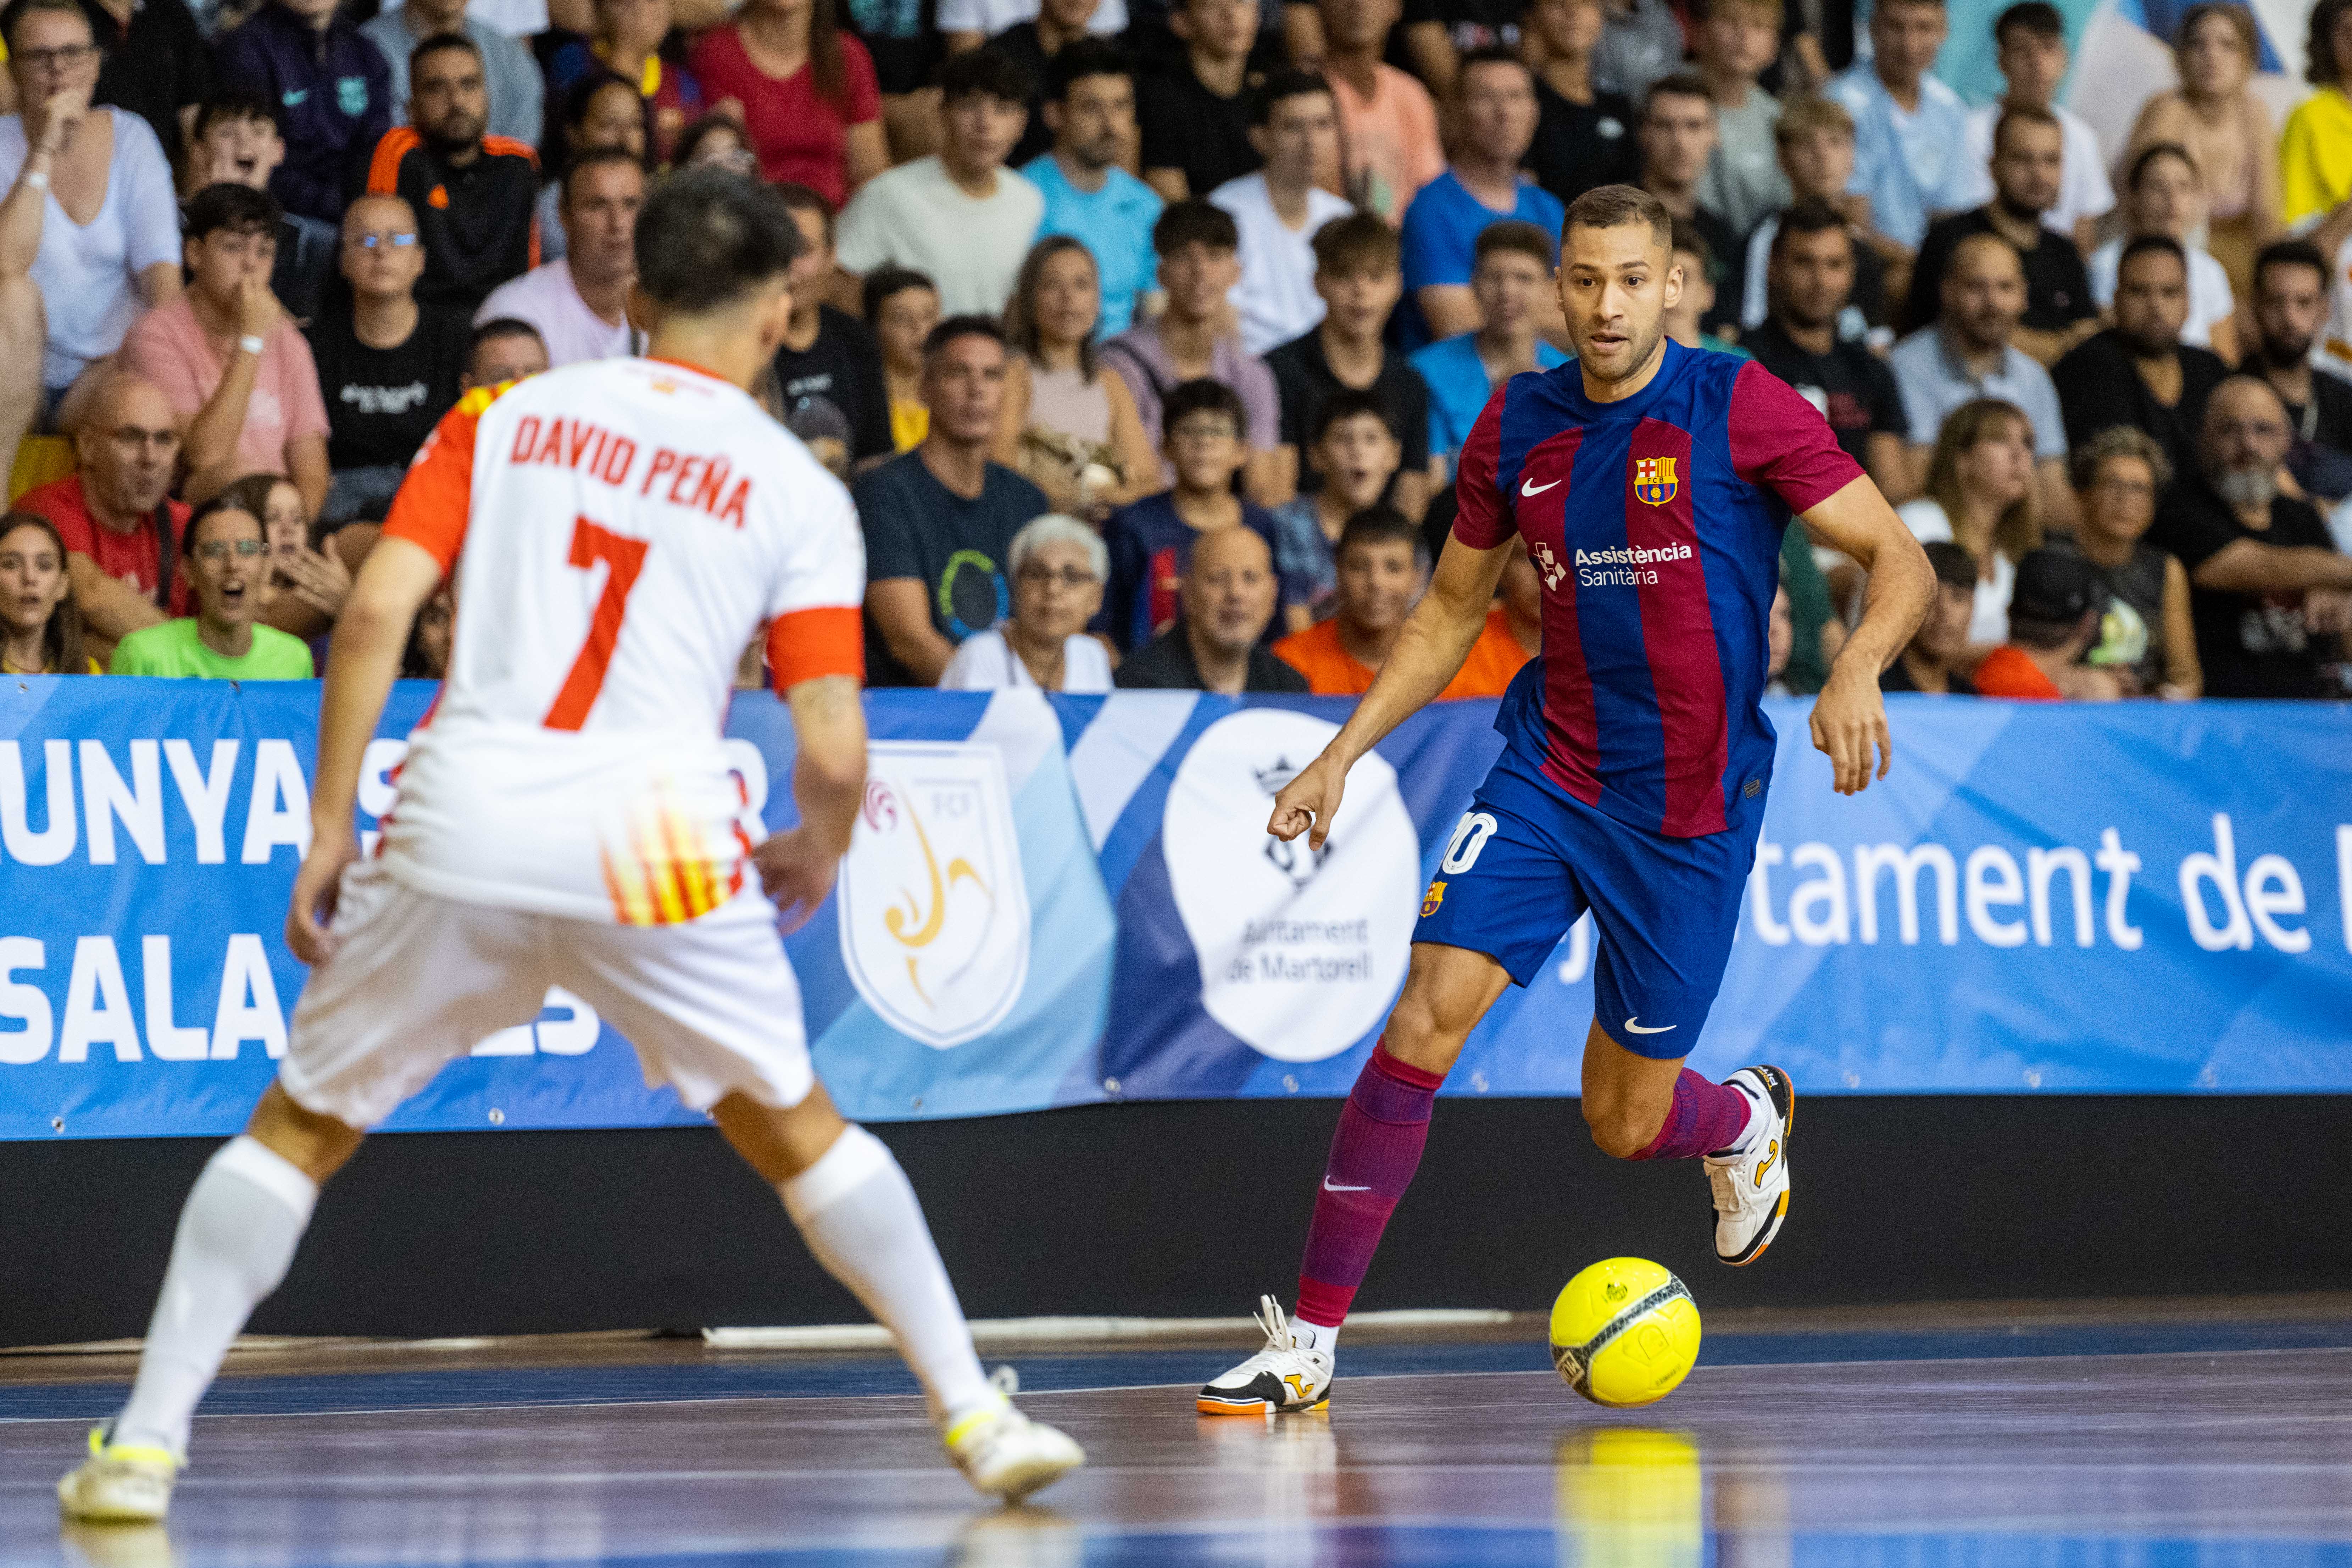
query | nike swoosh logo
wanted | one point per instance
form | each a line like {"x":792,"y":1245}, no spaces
{"x":1532,"y":489}
{"x":1633,"y":1028}
{"x":1330,"y":1187}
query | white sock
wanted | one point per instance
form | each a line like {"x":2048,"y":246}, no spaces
{"x":1759,"y":1113}
{"x":237,"y":1234}
{"x":859,"y":1216}
{"x":1307,"y":1336}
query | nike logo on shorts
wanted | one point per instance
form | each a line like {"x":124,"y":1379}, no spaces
{"x":1633,"y":1028}
{"x":1532,"y":489}
{"x":1331,"y":1186}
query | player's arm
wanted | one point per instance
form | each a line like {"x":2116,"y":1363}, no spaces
{"x":370,"y":637}
{"x":797,"y":867}
{"x":1429,"y":653}
{"x":1850,"y":716}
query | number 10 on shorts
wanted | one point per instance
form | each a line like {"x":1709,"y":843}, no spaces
{"x":1470,"y":835}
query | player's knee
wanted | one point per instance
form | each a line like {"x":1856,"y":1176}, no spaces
{"x":1420,"y":1035}
{"x":1619,"y":1130}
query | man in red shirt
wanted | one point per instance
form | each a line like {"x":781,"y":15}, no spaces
{"x":111,"y":511}
{"x":2054,"y":616}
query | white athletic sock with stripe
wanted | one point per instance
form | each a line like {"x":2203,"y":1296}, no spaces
{"x":857,"y":1212}
{"x":243,"y":1220}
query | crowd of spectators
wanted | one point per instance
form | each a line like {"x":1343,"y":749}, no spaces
{"x":1147,"y":337}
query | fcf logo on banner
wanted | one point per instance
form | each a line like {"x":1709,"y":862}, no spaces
{"x":1653,"y":480}
{"x":934,"y":911}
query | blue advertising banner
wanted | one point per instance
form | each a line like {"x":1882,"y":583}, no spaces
{"x":1063,"y":901}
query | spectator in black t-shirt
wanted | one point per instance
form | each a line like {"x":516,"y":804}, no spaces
{"x":474,"y":196}
{"x":1810,"y":281}
{"x":156,"y":63}
{"x":1932,"y":661}
{"x":1359,"y":275}
{"x":1678,"y":137}
{"x":388,"y":367}
{"x":1227,"y":596}
{"x":1584,"y":137}
{"x":939,"y":520}
{"x":2290,"y":306}
{"x":828,"y":356}
{"x":2139,"y":372}
{"x":1194,"y":116}
{"x":2028,"y":151}
{"x":2269,"y":593}
{"x":235,"y":141}
{"x":1034,"y":44}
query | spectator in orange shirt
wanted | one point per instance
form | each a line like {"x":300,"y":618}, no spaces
{"x":1383,"y":568}
{"x":2053,"y":616}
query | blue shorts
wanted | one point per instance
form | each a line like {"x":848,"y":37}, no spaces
{"x":1528,"y":858}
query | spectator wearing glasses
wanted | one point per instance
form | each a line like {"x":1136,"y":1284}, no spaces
{"x":40,"y":630}
{"x":517,"y":91}
{"x":303,"y":588}
{"x":238,"y":375}
{"x":474,"y":194}
{"x":1058,"y":568}
{"x":121,"y":530}
{"x":580,"y":304}
{"x":2146,"y":634}
{"x":388,"y":367}
{"x":235,"y":142}
{"x":69,"y":290}
{"x":226,"y":560}
{"x":335,"y":92}
{"x":1218,"y":644}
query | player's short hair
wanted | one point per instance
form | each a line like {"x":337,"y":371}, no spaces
{"x":1204,"y":394}
{"x":441,"y":44}
{"x":1613,"y":206}
{"x":885,"y":284}
{"x":597,"y":158}
{"x":1690,"y":242}
{"x":1801,"y":221}
{"x":1808,"y":113}
{"x":803,"y":198}
{"x":499,"y":327}
{"x":1954,"y":567}
{"x":2142,"y":245}
{"x":1056,"y":528}
{"x":2291,"y":253}
{"x":231,"y":209}
{"x":1282,"y":87}
{"x":2038,"y":17}
{"x":1517,"y":237}
{"x":708,"y":237}
{"x":1489,"y":55}
{"x":13,"y":14}
{"x":955,"y":329}
{"x":2150,"y":156}
{"x":227,"y":500}
{"x":1356,"y":243}
{"x":1193,"y":222}
{"x":1084,"y":57}
{"x":1350,"y":403}
{"x":2117,"y":441}
{"x":2018,"y":114}
{"x":987,"y":71}
{"x":231,"y":105}
{"x":1382,"y":524}
{"x":1682,"y":84}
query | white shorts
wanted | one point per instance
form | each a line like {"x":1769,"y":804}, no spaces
{"x":710,"y":1005}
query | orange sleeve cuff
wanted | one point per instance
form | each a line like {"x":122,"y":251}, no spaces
{"x":806,"y":644}
{"x":433,"y":502}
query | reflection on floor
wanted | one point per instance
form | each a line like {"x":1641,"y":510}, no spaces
{"x":2169,"y":1438}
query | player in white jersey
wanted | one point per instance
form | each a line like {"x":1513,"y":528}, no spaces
{"x":618,"y":533}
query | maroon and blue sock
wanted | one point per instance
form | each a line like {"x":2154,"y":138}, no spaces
{"x":1373,"y":1156}
{"x":1705,"y":1119}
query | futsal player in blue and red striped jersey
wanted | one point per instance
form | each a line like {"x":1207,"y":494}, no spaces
{"x":1651,"y":484}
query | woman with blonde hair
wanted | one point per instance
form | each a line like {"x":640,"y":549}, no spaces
{"x":40,"y":629}
{"x":2215,"y":115}
{"x":1981,"y":497}
{"x":1068,"y":425}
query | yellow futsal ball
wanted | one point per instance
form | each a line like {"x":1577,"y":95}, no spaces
{"x":1625,"y":1332}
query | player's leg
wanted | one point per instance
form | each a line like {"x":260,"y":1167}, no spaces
{"x":713,"y":1009}
{"x":1499,"y":904}
{"x":416,"y":982}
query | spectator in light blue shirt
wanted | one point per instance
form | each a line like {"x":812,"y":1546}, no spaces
{"x":1910,"y":130}
{"x":1090,"y":108}
{"x":1512,"y":283}
{"x":1495,"y":105}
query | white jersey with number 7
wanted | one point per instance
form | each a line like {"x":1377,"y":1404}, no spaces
{"x":619,"y":532}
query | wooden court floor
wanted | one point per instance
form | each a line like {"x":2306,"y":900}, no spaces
{"x":2173,"y":1439}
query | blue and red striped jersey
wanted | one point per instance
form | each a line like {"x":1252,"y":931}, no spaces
{"x":1656,"y":524}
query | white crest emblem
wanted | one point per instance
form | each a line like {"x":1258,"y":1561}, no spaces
{"x":1549,"y":564}
{"x":934,"y":909}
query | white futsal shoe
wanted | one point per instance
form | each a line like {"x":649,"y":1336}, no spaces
{"x":1005,"y":1454}
{"x":1280,"y":1378}
{"x":1752,"y":1187}
{"x":119,"y":1484}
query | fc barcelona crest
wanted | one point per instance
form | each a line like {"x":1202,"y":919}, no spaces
{"x":1432,"y":900}
{"x":1653,"y":480}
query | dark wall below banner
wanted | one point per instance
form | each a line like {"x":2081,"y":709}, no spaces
{"x":1192,"y":1209}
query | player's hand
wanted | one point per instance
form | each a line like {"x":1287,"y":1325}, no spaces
{"x":310,"y":935}
{"x":797,"y":874}
{"x":1308,"y":802}
{"x":1849,"y":719}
